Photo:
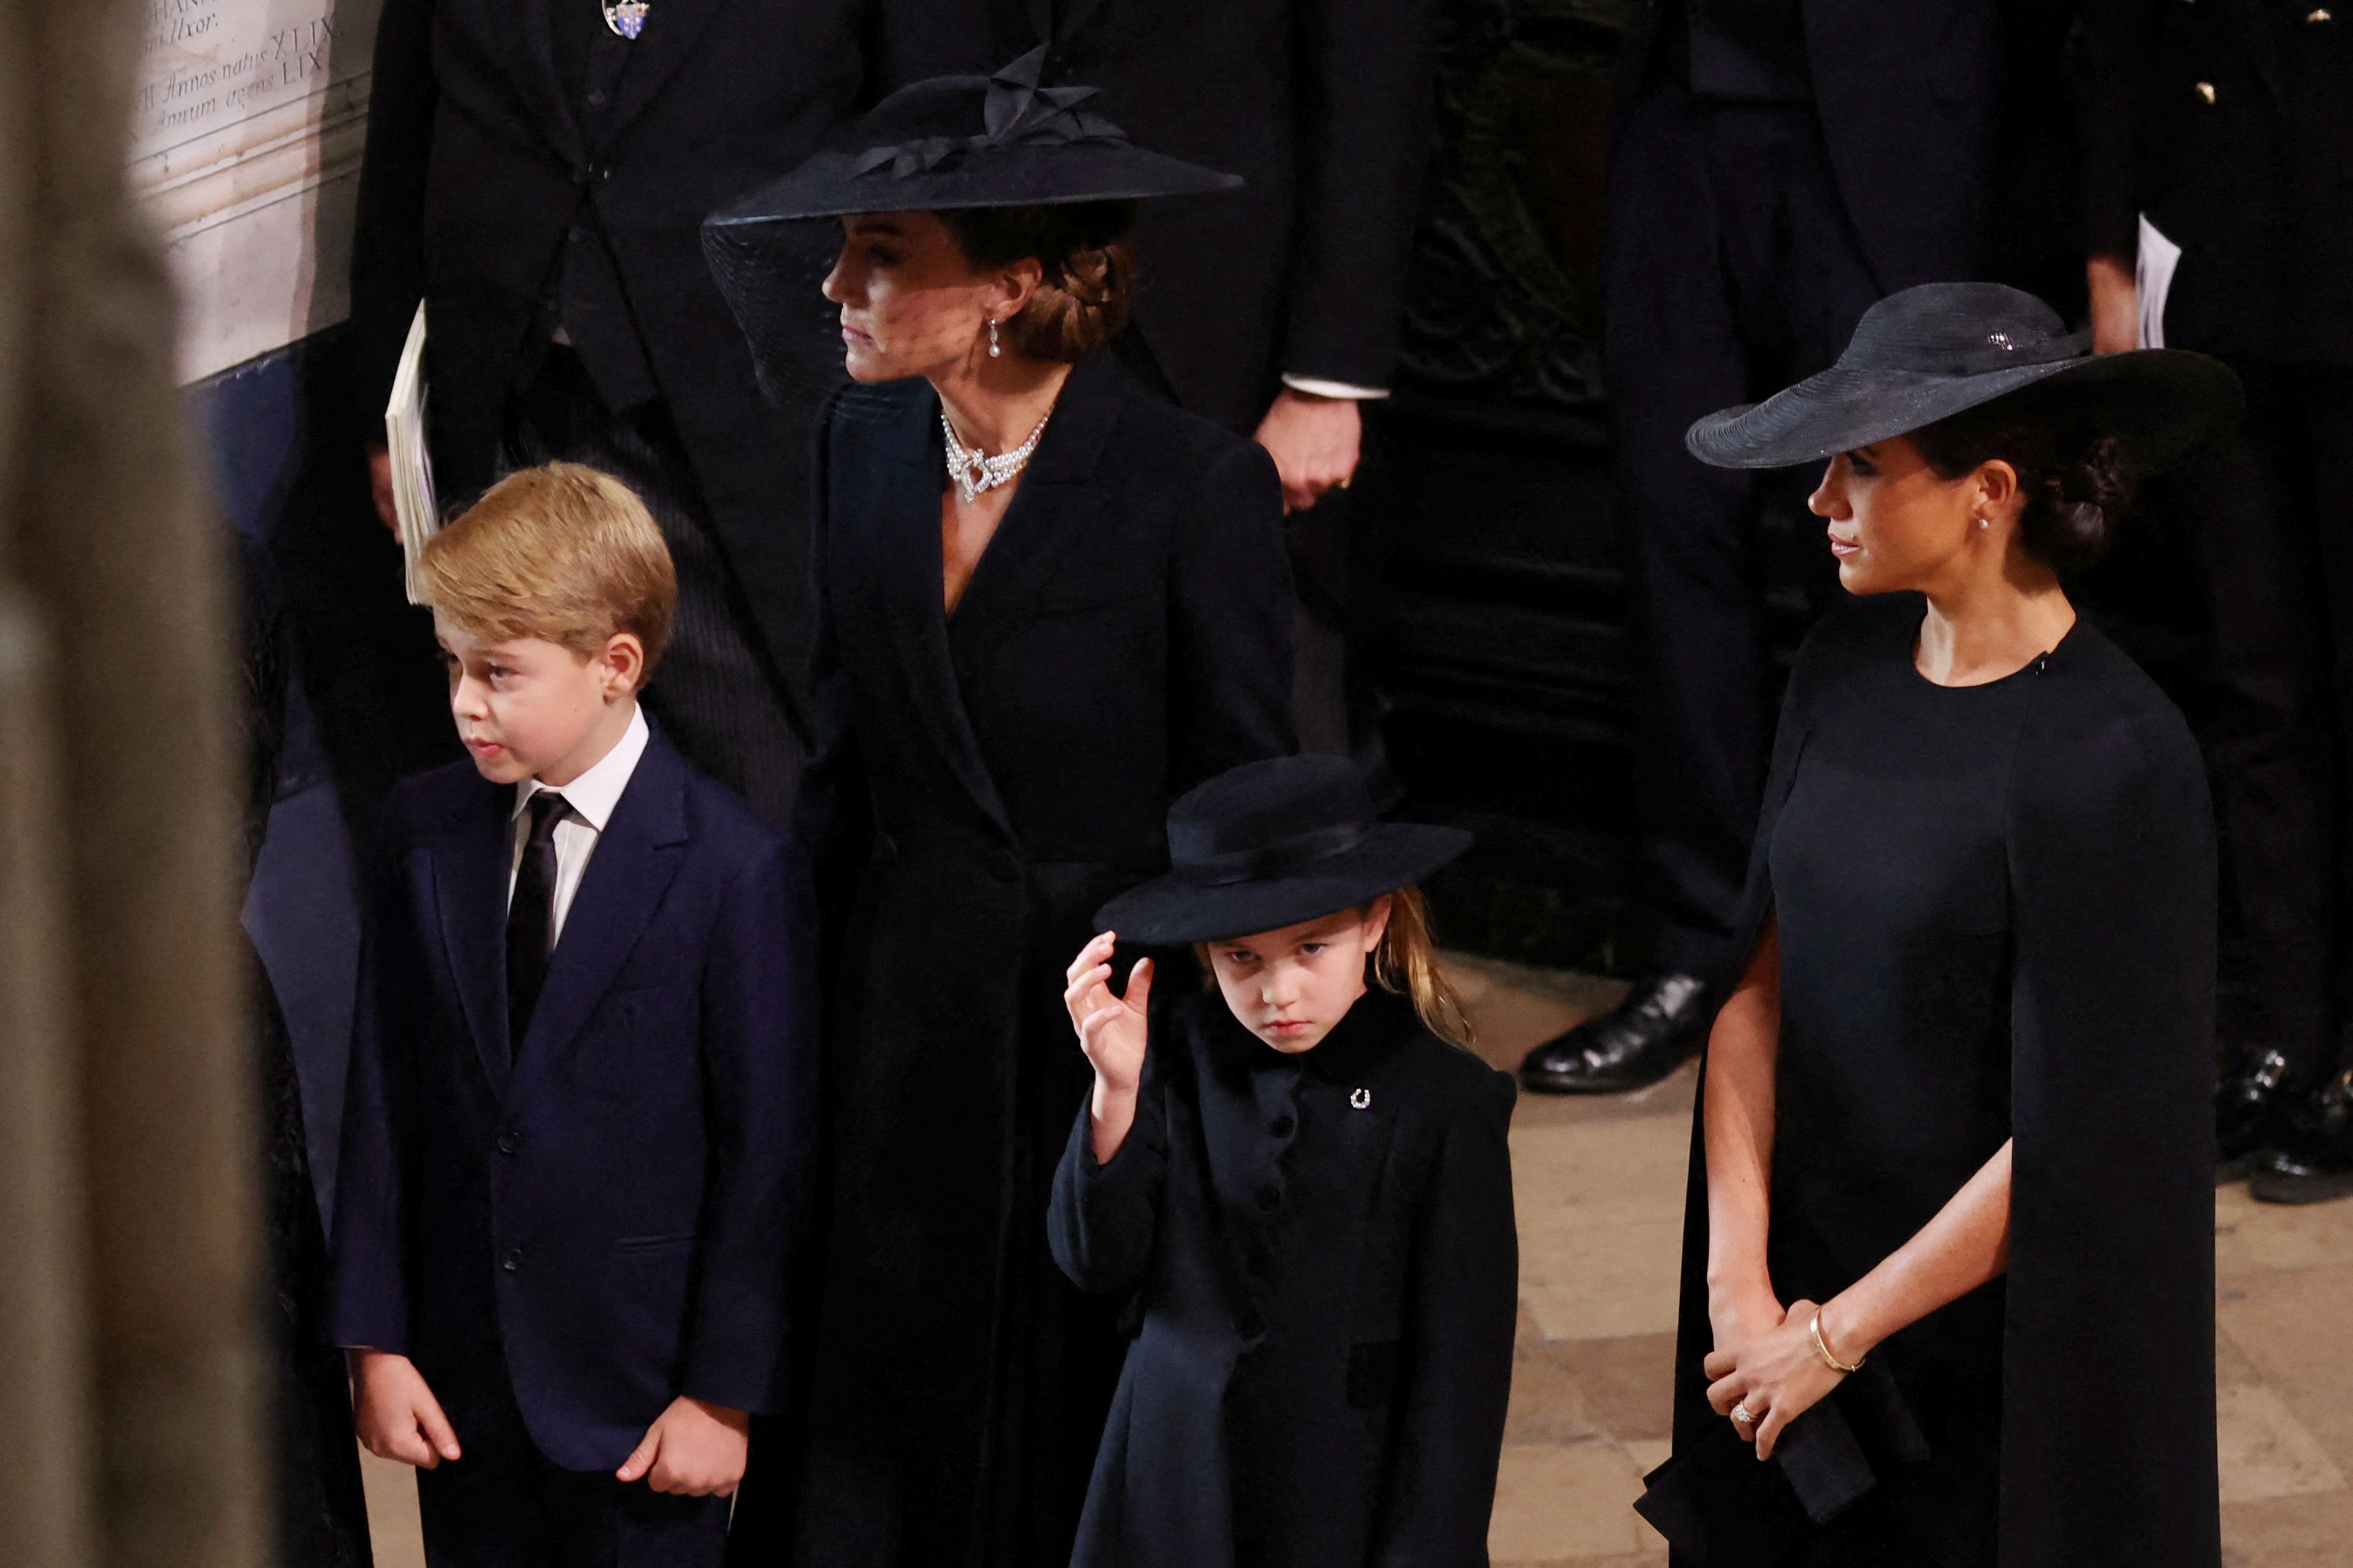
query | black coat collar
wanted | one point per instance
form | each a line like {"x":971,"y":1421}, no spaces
{"x":1058,"y":495}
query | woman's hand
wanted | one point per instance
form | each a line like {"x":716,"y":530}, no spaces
{"x":1737,"y":1317}
{"x":1111,"y":1031}
{"x":1774,"y":1375}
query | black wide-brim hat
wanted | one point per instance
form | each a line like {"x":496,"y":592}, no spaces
{"x":1931,"y":352}
{"x":1271,"y":844}
{"x":958,"y":141}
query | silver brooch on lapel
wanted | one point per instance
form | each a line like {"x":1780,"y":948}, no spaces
{"x":627,"y":18}
{"x":1362,"y":1099}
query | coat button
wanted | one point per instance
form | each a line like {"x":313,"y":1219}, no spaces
{"x":2206,"y":92}
{"x":512,"y":1260}
{"x":885,"y":846}
{"x":597,"y":97}
{"x":1282,"y":1127}
{"x":1270,"y":1197}
{"x":2319,"y":15}
{"x":510,"y":1141}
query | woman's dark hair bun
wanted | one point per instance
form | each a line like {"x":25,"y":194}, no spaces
{"x":2077,"y":482}
{"x":1089,"y":261}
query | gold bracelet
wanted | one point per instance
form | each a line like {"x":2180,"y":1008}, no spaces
{"x":1823,"y":1350}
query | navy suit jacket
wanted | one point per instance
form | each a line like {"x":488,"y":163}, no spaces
{"x":606,"y":1222}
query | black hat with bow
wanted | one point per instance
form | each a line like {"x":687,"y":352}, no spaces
{"x":998,"y":141}
{"x":1271,"y":844}
{"x":1001,"y":140}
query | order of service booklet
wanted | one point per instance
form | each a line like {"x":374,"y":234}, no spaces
{"x":412,"y":464}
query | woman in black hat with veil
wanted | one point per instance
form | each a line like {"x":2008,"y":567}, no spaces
{"x":1948,"y":1254}
{"x":1048,"y":605}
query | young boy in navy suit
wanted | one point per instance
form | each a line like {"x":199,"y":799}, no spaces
{"x":580,"y":1098}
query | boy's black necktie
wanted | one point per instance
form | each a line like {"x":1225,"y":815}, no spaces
{"x":530,"y":917}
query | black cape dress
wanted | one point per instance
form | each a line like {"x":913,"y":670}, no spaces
{"x":1321,"y":1252}
{"x":983,"y":783}
{"x":1996,"y":910}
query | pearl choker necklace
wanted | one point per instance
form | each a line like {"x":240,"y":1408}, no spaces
{"x":974,"y":472}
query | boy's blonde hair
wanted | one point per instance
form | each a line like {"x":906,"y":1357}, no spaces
{"x":560,"y":552}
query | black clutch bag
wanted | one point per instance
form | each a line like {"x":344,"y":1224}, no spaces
{"x":1714,"y":1497}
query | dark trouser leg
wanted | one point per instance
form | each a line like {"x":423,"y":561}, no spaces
{"x":1731,"y":270}
{"x":714,"y":693}
{"x":1319,"y":644}
{"x":2270,"y":744}
{"x":1674,"y":353}
{"x":2326,"y":394}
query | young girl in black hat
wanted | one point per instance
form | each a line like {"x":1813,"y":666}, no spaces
{"x":1303,"y":1187}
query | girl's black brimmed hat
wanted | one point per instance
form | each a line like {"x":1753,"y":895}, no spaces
{"x":1271,"y":844}
{"x":1931,"y":352}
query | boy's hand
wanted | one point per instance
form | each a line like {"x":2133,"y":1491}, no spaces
{"x":692,"y":1449}
{"x":397,"y":1416}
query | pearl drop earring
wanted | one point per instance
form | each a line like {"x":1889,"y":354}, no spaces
{"x":1985,"y":522}
{"x":994,"y":349}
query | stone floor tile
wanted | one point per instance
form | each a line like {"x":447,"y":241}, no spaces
{"x":2251,"y":1235}
{"x":1628,"y":1383}
{"x":2266,"y":1452}
{"x":1566,"y":1502}
{"x":1600,"y":1216}
{"x":1550,"y":1404}
{"x":2310,"y":1532}
{"x":2231,"y":1367}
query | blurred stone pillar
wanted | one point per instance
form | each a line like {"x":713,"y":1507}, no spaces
{"x":129,"y":1285}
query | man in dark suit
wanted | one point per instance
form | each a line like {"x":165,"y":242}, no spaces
{"x":582,"y":1089}
{"x":2226,"y":130}
{"x":537,"y":172}
{"x":1274,"y":309}
{"x":1776,"y":167}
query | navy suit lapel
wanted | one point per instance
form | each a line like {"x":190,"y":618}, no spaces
{"x":637,"y":857}
{"x":1058,"y":498}
{"x":470,"y":864}
{"x":900,"y":560}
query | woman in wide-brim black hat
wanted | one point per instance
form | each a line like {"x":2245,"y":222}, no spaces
{"x":1948,"y":1250}
{"x":1048,"y":605}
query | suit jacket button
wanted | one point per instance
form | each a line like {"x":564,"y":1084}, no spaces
{"x":1270,"y":1197}
{"x":509,"y":1141}
{"x":1282,"y":1127}
{"x":2206,"y":92}
{"x":512,"y":1260}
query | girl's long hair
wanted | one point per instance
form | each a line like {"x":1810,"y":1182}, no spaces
{"x":1406,"y":963}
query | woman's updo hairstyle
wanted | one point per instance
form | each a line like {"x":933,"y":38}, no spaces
{"x":1089,"y":266}
{"x":2075,"y":482}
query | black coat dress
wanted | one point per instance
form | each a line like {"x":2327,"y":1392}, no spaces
{"x":1996,"y":908}
{"x":983,"y":784}
{"x":1322,"y":1252}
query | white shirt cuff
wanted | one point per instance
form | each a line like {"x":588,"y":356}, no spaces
{"x":1316,"y":386}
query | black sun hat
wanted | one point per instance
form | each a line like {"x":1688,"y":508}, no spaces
{"x":1271,"y":844}
{"x":957,"y":142}
{"x":1930,"y":352}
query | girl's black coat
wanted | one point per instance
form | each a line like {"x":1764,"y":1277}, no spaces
{"x":981,"y":786}
{"x":1322,"y":1252}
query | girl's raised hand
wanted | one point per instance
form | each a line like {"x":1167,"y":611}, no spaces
{"x":1111,"y":1029}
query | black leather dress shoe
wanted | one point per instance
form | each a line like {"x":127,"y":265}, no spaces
{"x":1654,"y":1031}
{"x":2315,"y":1163}
{"x":2253,"y":1109}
